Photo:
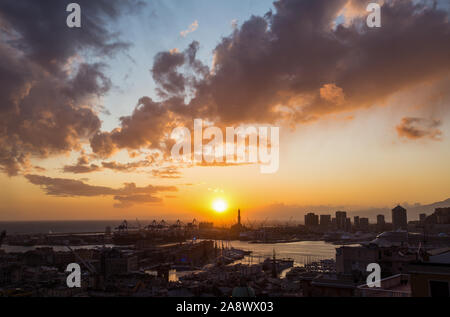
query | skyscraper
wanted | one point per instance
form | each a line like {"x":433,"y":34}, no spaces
{"x":325,"y":221}
{"x":399,"y":218}
{"x":311,"y":220}
{"x":356,"y":221}
{"x":380,"y":222}
{"x":364,"y":224}
{"x":341,"y":220}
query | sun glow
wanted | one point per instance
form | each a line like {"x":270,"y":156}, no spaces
{"x":219,"y":205}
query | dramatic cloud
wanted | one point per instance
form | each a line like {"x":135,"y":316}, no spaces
{"x":293,"y":65}
{"x":128,"y":194}
{"x":47,"y":91}
{"x":81,"y":167}
{"x":419,"y":128}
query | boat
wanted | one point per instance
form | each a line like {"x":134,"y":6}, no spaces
{"x":281,"y":264}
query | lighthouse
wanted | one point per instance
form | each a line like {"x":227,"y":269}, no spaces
{"x":239,"y":217}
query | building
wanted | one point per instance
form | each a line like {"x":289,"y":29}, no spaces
{"x":238,"y":227}
{"x":431,"y":278}
{"x":206,"y":226}
{"x":311,"y":220}
{"x":393,"y":286}
{"x":327,"y":285}
{"x":341,"y":220}
{"x":114,"y":262}
{"x":352,"y":260}
{"x":348,"y":224}
{"x":364,"y":224}
{"x":381,"y":223}
{"x":356,"y":221}
{"x":442,"y":215}
{"x":399,"y":218}
{"x":422,"y":217}
{"x":325,"y":221}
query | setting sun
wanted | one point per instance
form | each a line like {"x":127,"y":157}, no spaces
{"x":219,"y":205}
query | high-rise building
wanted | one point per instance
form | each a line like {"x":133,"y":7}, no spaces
{"x":325,"y":221}
{"x":381,"y":223}
{"x":311,"y":220}
{"x":348,"y":224}
{"x":442,"y":215}
{"x":356,"y":221}
{"x":364,"y":224}
{"x":341,"y":219}
{"x":399,"y":218}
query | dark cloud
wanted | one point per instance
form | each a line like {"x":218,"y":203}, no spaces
{"x":292,"y":65}
{"x":419,"y":128}
{"x":81,"y":167}
{"x":128,"y":194}
{"x":128,"y":167}
{"x":47,"y":94}
{"x":148,"y":126}
{"x":128,"y":201}
{"x":41,"y":33}
{"x":166,"y":75}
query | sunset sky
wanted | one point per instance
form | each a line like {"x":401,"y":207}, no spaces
{"x":85,"y":113}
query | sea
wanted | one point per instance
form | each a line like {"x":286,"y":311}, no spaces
{"x":81,"y":226}
{"x":302,"y":252}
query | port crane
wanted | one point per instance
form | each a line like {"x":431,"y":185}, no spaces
{"x":251,"y":224}
{"x":162,"y":224}
{"x":123,"y":226}
{"x":153,"y":225}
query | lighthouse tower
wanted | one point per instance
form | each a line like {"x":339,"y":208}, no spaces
{"x":239,"y":217}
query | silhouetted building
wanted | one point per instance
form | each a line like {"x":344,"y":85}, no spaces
{"x":311,"y":220}
{"x":325,"y":221}
{"x":341,"y":219}
{"x":393,"y":260}
{"x":381,"y":223}
{"x":115,"y":262}
{"x":399,"y":218}
{"x":238,"y":227}
{"x":356,"y":221}
{"x":431,"y":278}
{"x":364,"y":224}
{"x":239,"y":217}
{"x":443,"y":215}
{"x":333,"y":222}
{"x":205,"y":225}
{"x":348,"y":224}
{"x":422,"y":217}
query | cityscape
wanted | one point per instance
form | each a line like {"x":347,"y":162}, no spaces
{"x":216,"y":156}
{"x":198,"y":259}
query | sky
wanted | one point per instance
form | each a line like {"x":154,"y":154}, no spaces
{"x":86,"y":114}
